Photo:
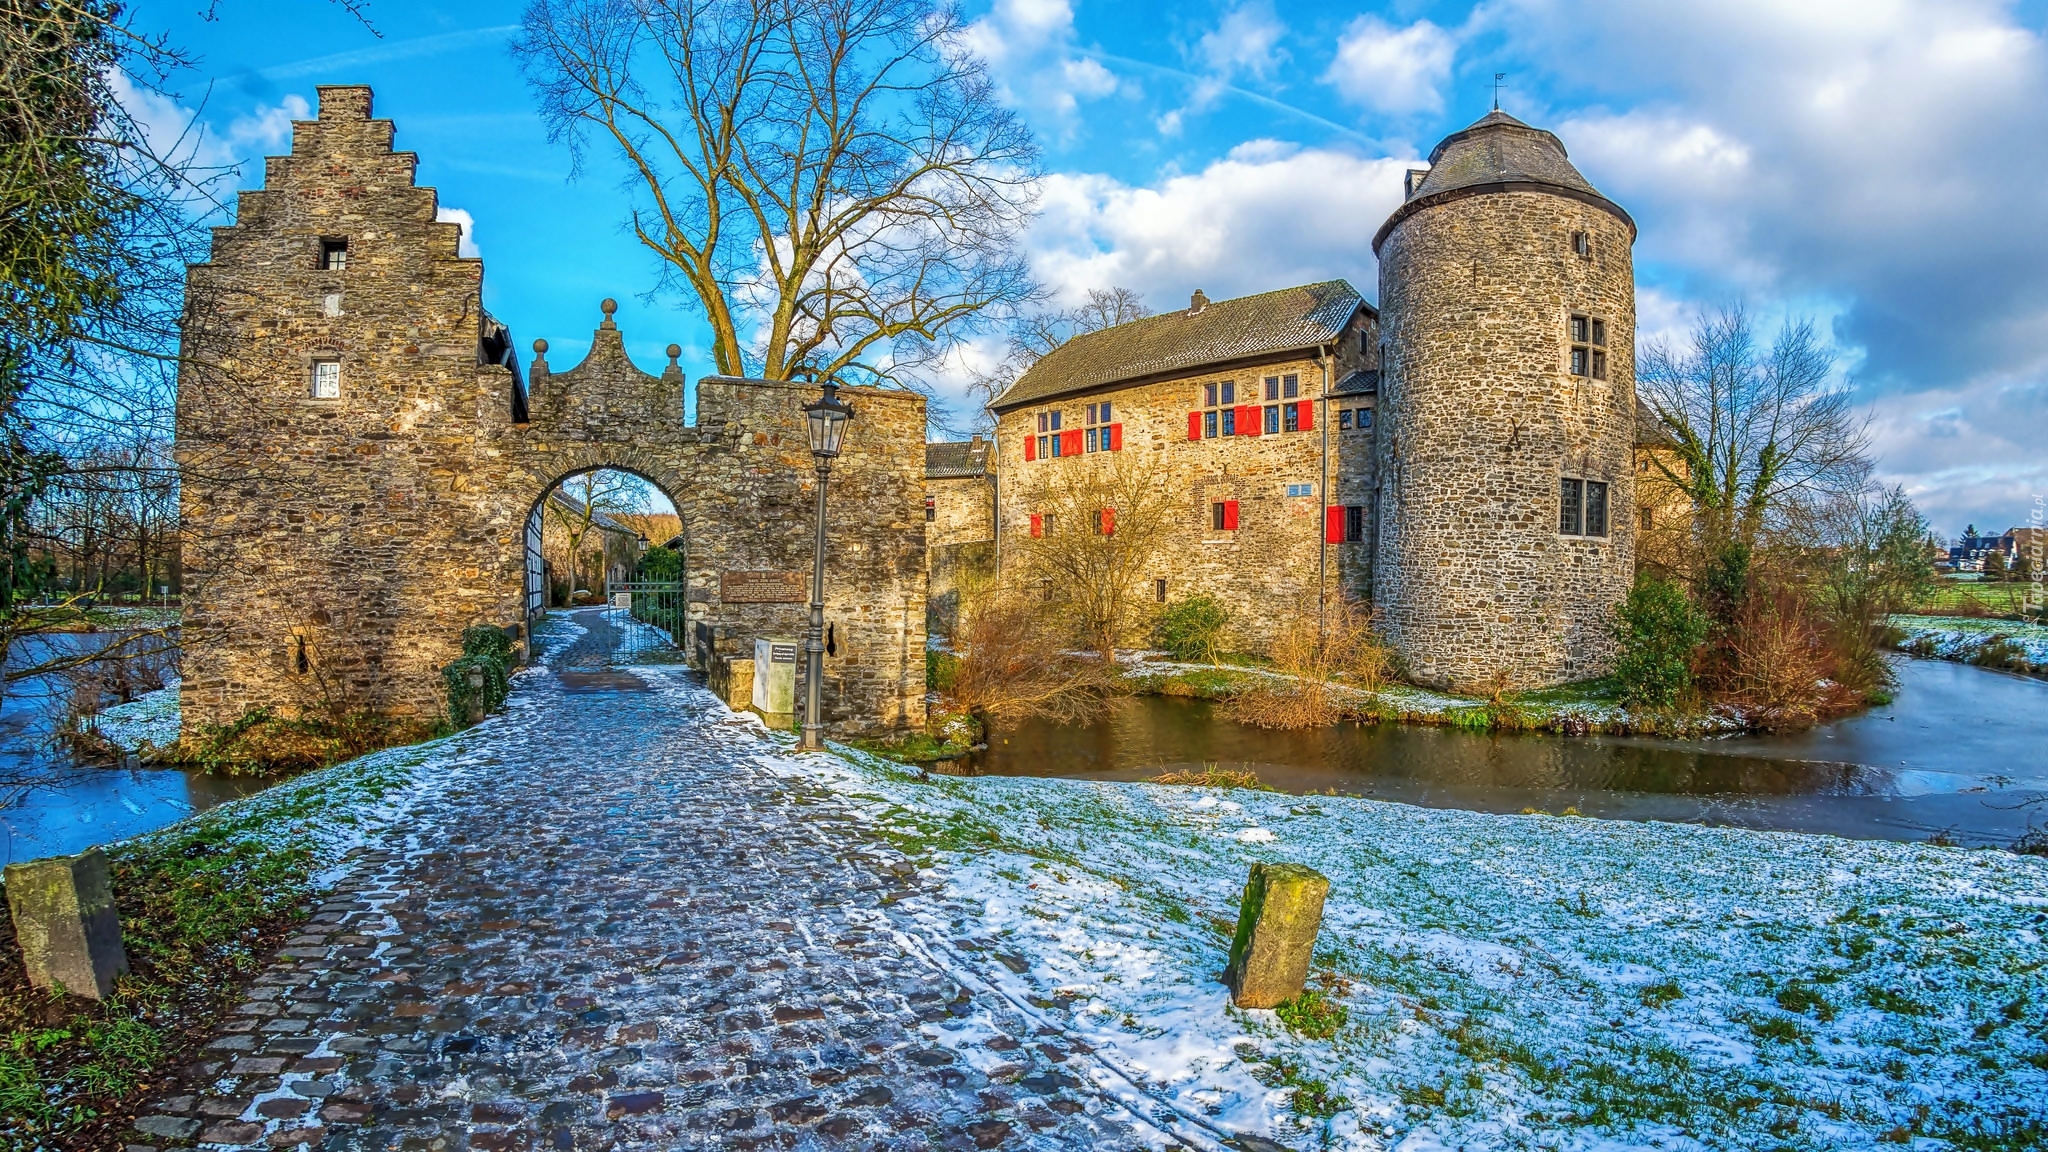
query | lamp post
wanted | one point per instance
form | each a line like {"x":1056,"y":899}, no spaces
{"x":827,"y":419}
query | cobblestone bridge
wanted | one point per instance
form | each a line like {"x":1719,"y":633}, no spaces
{"x":610,"y":928}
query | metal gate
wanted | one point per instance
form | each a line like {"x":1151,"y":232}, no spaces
{"x":536,"y":572}
{"x":665,"y":604}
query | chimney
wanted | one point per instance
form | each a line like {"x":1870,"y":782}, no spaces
{"x":974,"y":441}
{"x":1412,"y":182}
{"x":1197,"y":302}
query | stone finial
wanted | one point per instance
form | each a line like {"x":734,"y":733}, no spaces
{"x":1277,"y":921}
{"x":675,"y":353}
{"x":1197,"y":302}
{"x":608,"y":307}
{"x":65,"y":922}
{"x":540,"y":357}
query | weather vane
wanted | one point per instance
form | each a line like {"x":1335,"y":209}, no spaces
{"x":1497,"y":78}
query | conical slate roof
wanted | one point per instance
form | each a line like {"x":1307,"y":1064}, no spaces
{"x":1498,"y":153}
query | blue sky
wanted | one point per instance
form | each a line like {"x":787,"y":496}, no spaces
{"x":1876,"y":164}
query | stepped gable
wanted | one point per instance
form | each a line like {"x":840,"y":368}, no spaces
{"x":1209,"y":332}
{"x":1498,"y":153}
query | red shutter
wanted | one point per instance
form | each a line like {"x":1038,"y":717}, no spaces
{"x":1116,"y":437}
{"x":1308,"y":415}
{"x":1230,"y":515}
{"x":1333,"y":524}
{"x":1073,"y":445}
{"x":1194,"y":425}
{"x":1030,"y":449}
{"x":1109,"y":521}
{"x":1250,"y":421}
{"x":1037,"y":524}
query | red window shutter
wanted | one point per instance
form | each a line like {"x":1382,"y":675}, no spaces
{"x":1109,"y":521}
{"x":1037,"y":524}
{"x":1333,"y":524}
{"x":1116,"y":437}
{"x":1194,"y":425}
{"x":1307,"y":409}
{"x":1073,"y":445}
{"x":1250,"y":421}
{"x":1030,"y":449}
{"x":1230,"y":515}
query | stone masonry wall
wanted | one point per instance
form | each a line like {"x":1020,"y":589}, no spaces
{"x":960,"y":542}
{"x":336,"y":548}
{"x":1480,"y":416}
{"x":1267,"y":568}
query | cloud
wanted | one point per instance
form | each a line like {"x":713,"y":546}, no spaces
{"x":385,"y":53}
{"x":1265,"y":216}
{"x":1389,"y":69}
{"x":180,"y":135}
{"x":1245,"y":43}
{"x":1883,"y":155}
{"x":1029,"y":46}
{"x":449,"y":215}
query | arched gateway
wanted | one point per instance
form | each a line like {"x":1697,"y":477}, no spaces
{"x":361,"y":457}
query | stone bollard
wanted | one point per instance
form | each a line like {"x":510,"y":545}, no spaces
{"x":1276,"y":933}
{"x":65,"y":922}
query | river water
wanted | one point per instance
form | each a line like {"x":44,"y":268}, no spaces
{"x":51,"y":806}
{"x":1958,"y":755}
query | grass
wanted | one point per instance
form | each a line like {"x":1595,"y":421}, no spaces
{"x":1974,"y":598}
{"x":1213,"y":777}
{"x":1313,"y":1015}
{"x":202,"y":904}
{"x":912,"y":748}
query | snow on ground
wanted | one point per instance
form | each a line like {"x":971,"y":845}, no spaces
{"x":145,"y":724}
{"x":1511,"y":981}
{"x":1963,"y":637}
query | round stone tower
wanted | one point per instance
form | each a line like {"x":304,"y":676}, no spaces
{"x":1507,"y":414}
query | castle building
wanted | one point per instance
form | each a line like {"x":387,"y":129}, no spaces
{"x":1465,"y":456}
{"x":959,"y":523}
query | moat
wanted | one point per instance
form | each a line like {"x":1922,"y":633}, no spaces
{"x":1958,"y":755}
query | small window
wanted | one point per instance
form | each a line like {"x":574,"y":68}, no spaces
{"x":1159,"y":590}
{"x":1599,"y":364}
{"x":1055,"y":420}
{"x":1229,"y":421}
{"x":1582,"y":245}
{"x":1216,"y":516}
{"x":1580,"y":364}
{"x":1571,"y":495}
{"x":1272,"y":387}
{"x":1301,"y":490}
{"x":1046,"y":520}
{"x":1645,"y":519}
{"x":1056,"y":442}
{"x":1364,"y":418}
{"x":326,"y":379}
{"x":1209,"y":425}
{"x":1041,"y":422}
{"x":1600,"y":332}
{"x":1589,"y":347}
{"x":1290,"y":417}
{"x":333,"y":254}
{"x":931,"y":509}
{"x":1272,"y":419}
{"x":1043,"y":450}
{"x":1579,"y":331}
{"x":1105,"y":411}
{"x":1290,"y":387}
{"x":1344,"y":420}
{"x":1354,"y":523}
{"x":1090,"y":439}
{"x":1596,"y":508}
{"x":1230,"y":391}
{"x":1208,"y":395}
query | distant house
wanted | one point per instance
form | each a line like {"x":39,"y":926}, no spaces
{"x":609,"y":550}
{"x":1969,"y":553}
{"x":959,"y":523}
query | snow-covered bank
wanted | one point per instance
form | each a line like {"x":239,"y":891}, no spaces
{"x":1511,"y":982}
{"x":1993,"y":643}
{"x":146,"y":725}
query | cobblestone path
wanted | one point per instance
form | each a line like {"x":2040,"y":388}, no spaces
{"x":605,"y":927}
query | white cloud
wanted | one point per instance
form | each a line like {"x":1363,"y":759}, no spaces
{"x":1265,"y":216}
{"x":1391,"y":69}
{"x":460,"y":216}
{"x":1030,"y":49}
{"x":176,"y":132}
{"x":1245,"y":43}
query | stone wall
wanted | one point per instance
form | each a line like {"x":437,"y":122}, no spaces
{"x":1269,"y":566}
{"x":1480,"y":417}
{"x":336,"y":548}
{"x":960,"y":540}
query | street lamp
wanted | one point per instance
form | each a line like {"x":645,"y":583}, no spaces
{"x":827,"y":419}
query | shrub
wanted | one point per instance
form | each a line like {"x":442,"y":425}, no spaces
{"x":941,"y":669}
{"x":1314,"y":646}
{"x":661,"y":564}
{"x":1212,"y":776}
{"x":1659,"y":630}
{"x":262,"y":741}
{"x":488,"y":651}
{"x":1189,"y":629}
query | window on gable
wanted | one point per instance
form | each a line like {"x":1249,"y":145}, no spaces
{"x":326,"y":379}
{"x":333,"y":253}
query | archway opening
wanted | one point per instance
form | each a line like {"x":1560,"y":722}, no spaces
{"x":610,"y":540}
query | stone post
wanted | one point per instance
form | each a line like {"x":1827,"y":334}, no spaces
{"x":1276,"y":933}
{"x":65,"y":922}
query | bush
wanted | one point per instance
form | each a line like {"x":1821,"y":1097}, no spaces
{"x":1189,"y":629}
{"x":486,"y":640}
{"x":941,"y":669}
{"x":262,"y":741}
{"x":661,"y":564}
{"x":486,"y":650}
{"x":1659,"y":630}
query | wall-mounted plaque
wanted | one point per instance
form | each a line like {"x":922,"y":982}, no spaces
{"x":763,"y":588}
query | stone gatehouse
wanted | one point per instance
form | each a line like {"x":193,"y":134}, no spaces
{"x":363,"y":459}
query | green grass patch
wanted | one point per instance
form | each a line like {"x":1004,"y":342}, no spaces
{"x":1313,"y":1014}
{"x":910,"y":748}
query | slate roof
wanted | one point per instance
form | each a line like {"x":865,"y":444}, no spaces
{"x":1498,"y":153}
{"x":600,"y":520}
{"x":1650,"y":431}
{"x":956,"y":459}
{"x":1270,"y":322}
{"x":1363,"y":382}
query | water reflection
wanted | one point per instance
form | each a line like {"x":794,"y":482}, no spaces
{"x":1958,"y":754}
{"x":51,"y":806}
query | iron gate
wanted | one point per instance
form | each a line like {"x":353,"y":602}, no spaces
{"x":665,"y":604}
{"x":536,"y":572}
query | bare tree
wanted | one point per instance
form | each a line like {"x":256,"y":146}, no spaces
{"x":1099,"y":530}
{"x":1869,"y":560}
{"x":590,"y":498}
{"x":835,"y":180}
{"x":1034,"y":334}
